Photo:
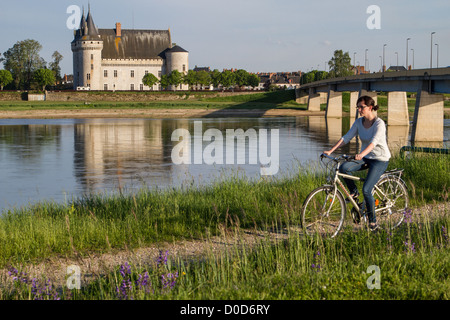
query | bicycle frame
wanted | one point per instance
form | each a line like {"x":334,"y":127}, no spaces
{"x":337,"y":184}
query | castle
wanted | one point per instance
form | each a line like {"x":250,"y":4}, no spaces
{"x":118,"y":59}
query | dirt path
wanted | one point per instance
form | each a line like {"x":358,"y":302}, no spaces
{"x":91,"y":266}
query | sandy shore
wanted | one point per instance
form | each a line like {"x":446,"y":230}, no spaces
{"x":154,"y":113}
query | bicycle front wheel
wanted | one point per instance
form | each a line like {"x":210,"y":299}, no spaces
{"x":391,"y":201}
{"x":323,"y":212}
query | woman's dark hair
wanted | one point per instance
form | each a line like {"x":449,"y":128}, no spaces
{"x":368,"y":101}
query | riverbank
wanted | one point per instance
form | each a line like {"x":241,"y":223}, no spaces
{"x":154,"y":113}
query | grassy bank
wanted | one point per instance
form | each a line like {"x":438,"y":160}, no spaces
{"x":186,"y":100}
{"x":411,"y":263}
{"x":104,"y":223}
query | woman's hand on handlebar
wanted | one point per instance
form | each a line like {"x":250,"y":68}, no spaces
{"x":358,"y":157}
{"x":328,"y":152}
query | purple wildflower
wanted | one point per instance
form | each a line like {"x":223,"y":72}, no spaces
{"x":125,"y":269}
{"x":143,"y":283}
{"x":445,"y":234}
{"x":162,"y":258}
{"x":316,"y":265}
{"x":408,"y":215}
{"x":410,"y":247}
{"x":169,"y":280}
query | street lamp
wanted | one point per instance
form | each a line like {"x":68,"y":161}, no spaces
{"x":365,"y":61}
{"x":413,"y":58}
{"x":384,"y":46}
{"x":381,"y":63}
{"x":354,"y":58}
{"x":437,"y":62}
{"x":431,"y":54}
{"x":397,"y":60}
{"x":407,"y":66}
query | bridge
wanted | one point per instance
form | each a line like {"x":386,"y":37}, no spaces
{"x":429,"y":84}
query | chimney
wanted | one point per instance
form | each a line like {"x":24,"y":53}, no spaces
{"x":118,"y":29}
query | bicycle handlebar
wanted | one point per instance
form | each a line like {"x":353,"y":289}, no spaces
{"x":340,"y":158}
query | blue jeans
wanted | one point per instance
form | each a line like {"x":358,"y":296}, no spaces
{"x":376,"y":169}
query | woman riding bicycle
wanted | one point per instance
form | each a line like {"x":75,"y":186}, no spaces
{"x":374,"y":153}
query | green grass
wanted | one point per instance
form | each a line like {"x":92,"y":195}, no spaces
{"x":413,"y":262}
{"x":103,"y":223}
{"x":264,"y":100}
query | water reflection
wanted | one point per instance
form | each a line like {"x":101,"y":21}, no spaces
{"x":57,"y":159}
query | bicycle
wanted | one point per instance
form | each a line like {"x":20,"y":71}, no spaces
{"x":325,"y":207}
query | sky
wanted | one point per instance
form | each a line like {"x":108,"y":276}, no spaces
{"x":255,"y":35}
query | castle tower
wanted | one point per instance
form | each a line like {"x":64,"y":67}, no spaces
{"x":177,"y":59}
{"x":87,"y":54}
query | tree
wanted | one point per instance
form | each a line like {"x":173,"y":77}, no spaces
{"x":215,"y":78}
{"x":5,"y":78}
{"x":175,"y":78}
{"x":190,"y":78}
{"x":149,"y":80}
{"x":227,"y":79}
{"x":164,"y":81}
{"x":253,"y":80}
{"x":309,"y":77}
{"x":22,"y":60}
{"x":241,"y":77}
{"x":320,"y":75}
{"x":203,"y":78}
{"x":44,"y":77}
{"x":340,"y":64}
{"x":54,"y":65}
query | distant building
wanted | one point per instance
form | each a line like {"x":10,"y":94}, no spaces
{"x":118,"y":59}
{"x":396,"y":68}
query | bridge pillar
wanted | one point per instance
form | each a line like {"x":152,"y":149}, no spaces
{"x":397,"y":109}
{"x":334,"y":104}
{"x":301,"y":97}
{"x":428,"y":123}
{"x":313,"y":101}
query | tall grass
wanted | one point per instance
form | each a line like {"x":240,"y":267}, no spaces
{"x":104,"y":223}
{"x":413,"y":262}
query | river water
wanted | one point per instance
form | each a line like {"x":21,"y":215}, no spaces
{"x":58,"y":159}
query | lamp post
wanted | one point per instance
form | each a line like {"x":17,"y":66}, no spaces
{"x":413,"y":58}
{"x":381,"y":64}
{"x":407,"y":66}
{"x":384,"y":46}
{"x":365,"y":61}
{"x":431,"y":54}
{"x":437,"y":61}
{"x":397,"y":59}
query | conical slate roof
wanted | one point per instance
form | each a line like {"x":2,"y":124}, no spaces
{"x":92,"y":29}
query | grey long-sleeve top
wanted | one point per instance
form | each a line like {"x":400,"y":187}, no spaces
{"x":376,"y":134}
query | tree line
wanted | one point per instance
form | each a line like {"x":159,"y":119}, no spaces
{"x":339,"y":66}
{"x":203,"y":78}
{"x":25,"y":69}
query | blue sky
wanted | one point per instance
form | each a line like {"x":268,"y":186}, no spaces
{"x":256,"y":35}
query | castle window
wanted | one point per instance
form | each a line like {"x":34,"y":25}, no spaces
{"x":132,"y":73}
{"x":105,"y":87}
{"x":132,"y":87}
{"x":92,"y":57}
{"x":115,"y":73}
{"x":146,"y":72}
{"x":88,"y":76}
{"x":184,"y":67}
{"x":142,"y":87}
{"x":159,"y":74}
{"x":92,"y":66}
{"x":105,"y":73}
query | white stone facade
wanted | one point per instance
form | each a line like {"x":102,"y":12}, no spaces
{"x":116,"y":59}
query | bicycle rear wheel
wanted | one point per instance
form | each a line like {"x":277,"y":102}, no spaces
{"x":323,"y":213}
{"x":391,"y":196}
